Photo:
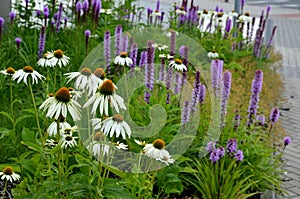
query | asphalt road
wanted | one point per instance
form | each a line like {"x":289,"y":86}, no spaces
{"x":294,"y":4}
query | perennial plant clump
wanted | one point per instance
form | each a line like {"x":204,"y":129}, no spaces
{"x":131,"y":102}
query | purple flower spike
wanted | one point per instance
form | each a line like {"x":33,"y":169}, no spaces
{"x":256,"y":89}
{"x":106,"y":52}
{"x":195,"y":93}
{"x":239,"y":156}
{"x":46,"y":12}
{"x":118,"y":39}
{"x":12,"y":16}
{"x":274,"y":116}
{"x":225,"y":95}
{"x":125,"y":43}
{"x":42,"y":41}
{"x":260,"y":120}
{"x":242,"y":3}
{"x":78,"y":7}
{"x":1,"y":27}
{"x":161,"y":75}
{"x":133,"y":54}
{"x":87,"y":33}
{"x":210,"y":146}
{"x":149,"y":72}
{"x":236,"y":121}
{"x":38,"y":13}
{"x":172,"y":43}
{"x":221,"y":151}
{"x":1,"y":21}
{"x":177,"y":81}
{"x":157,"y":5}
{"x":287,"y":140}
{"x":143,"y":59}
{"x":231,"y":145}
{"x":185,"y":114}
{"x":214,"y":156}
{"x":85,"y":5}
{"x":202,"y":94}
{"x":216,"y":75}
{"x":59,"y":15}
{"x":18,"y":42}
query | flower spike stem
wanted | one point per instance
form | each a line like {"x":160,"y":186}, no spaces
{"x":36,"y":113}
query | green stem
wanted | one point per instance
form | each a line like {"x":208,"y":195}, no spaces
{"x":36,"y":113}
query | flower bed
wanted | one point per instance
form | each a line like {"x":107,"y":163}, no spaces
{"x":110,"y":107}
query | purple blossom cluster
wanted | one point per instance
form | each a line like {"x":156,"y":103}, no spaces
{"x":42,"y":42}
{"x":256,"y":89}
{"x":118,"y":39}
{"x":195,"y":92}
{"x":107,"y":54}
{"x":274,"y":115}
{"x":216,"y":153}
{"x":225,"y":95}
{"x":149,"y":71}
{"x":216,"y":76}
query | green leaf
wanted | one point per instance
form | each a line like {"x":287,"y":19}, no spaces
{"x":4,"y":132}
{"x":33,"y":146}
{"x":7,"y":115}
{"x":113,"y":190}
{"x":28,"y":135}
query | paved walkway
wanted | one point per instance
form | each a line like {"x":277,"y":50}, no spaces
{"x":287,"y":42}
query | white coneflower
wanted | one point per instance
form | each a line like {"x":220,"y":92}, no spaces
{"x":96,"y":123}
{"x":60,"y":104}
{"x":57,"y":57}
{"x":100,"y":73}
{"x":160,"y":47}
{"x":98,"y":147}
{"x":45,"y":61}
{"x":74,"y":93}
{"x":181,"y":11}
{"x":165,"y":56}
{"x":116,"y":125}
{"x":8,"y":174}
{"x":106,"y":11}
{"x":121,"y":146}
{"x":22,"y":74}
{"x":178,"y":65}
{"x":204,"y":14}
{"x":85,"y":80}
{"x":123,"y":59}
{"x":156,"y":13}
{"x":10,"y":71}
{"x":104,"y":97}
{"x":52,"y":129}
{"x":51,"y":143}
{"x":245,"y":18}
{"x":141,"y":143}
{"x":68,"y":141}
{"x":233,"y":14}
{"x":213,"y":54}
{"x":156,"y":151}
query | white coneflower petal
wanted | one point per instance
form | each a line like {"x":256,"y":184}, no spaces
{"x":116,"y":126}
{"x":105,"y":97}
{"x":22,"y":74}
{"x":60,"y":104}
{"x":8,"y":174}
{"x":156,"y":151}
{"x":57,"y":57}
{"x":178,"y":65}
{"x":123,"y":59}
{"x":68,"y":141}
{"x":52,"y":129}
